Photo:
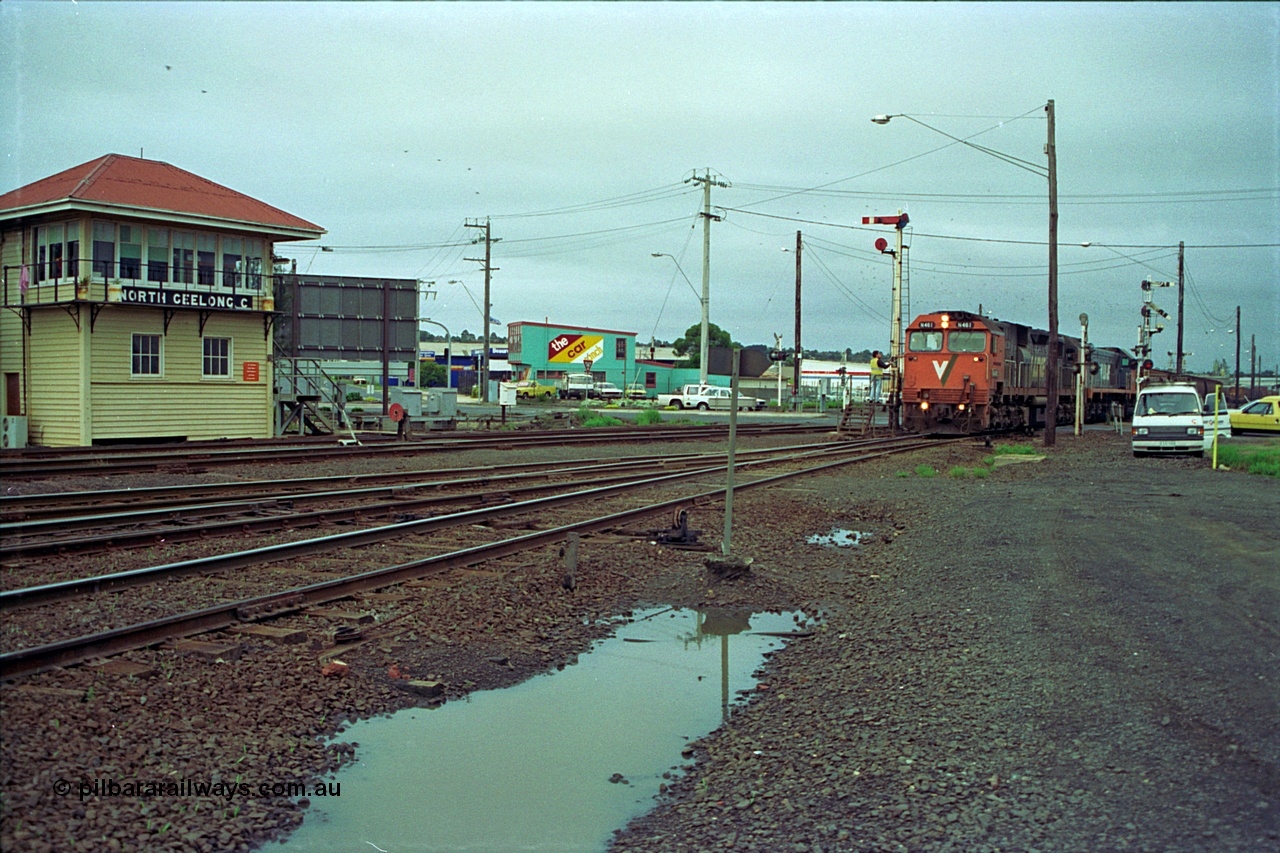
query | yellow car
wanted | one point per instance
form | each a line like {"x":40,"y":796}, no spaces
{"x":529,"y":389}
{"x":1261,"y":415}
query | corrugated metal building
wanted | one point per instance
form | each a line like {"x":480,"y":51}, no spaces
{"x":137,"y":305}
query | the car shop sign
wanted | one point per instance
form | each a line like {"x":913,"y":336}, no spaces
{"x":186,"y":299}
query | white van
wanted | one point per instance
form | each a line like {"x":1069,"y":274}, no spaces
{"x":1223,"y":425}
{"x":1169,"y":418}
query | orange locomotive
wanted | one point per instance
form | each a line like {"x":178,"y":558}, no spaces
{"x":964,"y":372}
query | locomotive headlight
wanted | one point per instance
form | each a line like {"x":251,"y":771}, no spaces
{"x":924,"y":405}
{"x":961,"y":407}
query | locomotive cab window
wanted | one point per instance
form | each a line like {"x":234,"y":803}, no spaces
{"x":925,"y":341}
{"x":968,"y":341}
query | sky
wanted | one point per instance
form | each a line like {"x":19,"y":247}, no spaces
{"x":575,"y":130}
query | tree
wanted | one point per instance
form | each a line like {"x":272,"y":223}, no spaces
{"x":431,"y":375}
{"x":690,"y":343}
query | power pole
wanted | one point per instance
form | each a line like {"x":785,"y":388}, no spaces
{"x":707,"y":181}
{"x":1178,"y":368}
{"x":488,"y":268}
{"x":1253,"y":366}
{"x":799,"y":352}
{"x":1237,"y":355}
{"x":1051,"y":363}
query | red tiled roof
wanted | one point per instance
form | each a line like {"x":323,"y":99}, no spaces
{"x":131,"y":182}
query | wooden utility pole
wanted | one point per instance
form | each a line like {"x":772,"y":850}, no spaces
{"x":1178,"y":368}
{"x":1237,"y":400}
{"x":1052,"y":361}
{"x":707,"y":217}
{"x":799,"y":352}
{"x":488,"y":268}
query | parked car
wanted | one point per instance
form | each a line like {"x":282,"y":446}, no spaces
{"x":636,"y":391}
{"x":531,"y":389}
{"x":607,"y":391}
{"x":576,"y":386}
{"x":1262,"y":415}
{"x":705,"y":397}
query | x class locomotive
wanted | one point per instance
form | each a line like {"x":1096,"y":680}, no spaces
{"x":966,"y":373}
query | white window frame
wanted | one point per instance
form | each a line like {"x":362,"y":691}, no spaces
{"x":205,"y":357}
{"x":134,"y":355}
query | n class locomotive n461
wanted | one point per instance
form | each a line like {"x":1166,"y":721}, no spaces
{"x":966,"y":373}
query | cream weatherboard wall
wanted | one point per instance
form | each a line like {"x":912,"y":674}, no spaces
{"x":11,"y":327}
{"x":180,"y":401}
{"x":56,"y":359}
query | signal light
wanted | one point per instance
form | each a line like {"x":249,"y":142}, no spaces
{"x":777,"y":355}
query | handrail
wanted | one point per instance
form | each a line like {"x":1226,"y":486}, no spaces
{"x":93,"y":284}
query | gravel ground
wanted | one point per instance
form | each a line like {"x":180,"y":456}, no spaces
{"x":1079,"y":653}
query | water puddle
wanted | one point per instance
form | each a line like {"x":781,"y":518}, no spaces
{"x":838,"y":538}
{"x":556,"y":763}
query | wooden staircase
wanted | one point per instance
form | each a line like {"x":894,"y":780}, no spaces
{"x":859,"y":419}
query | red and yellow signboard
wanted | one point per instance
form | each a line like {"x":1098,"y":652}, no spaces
{"x":569,"y":348}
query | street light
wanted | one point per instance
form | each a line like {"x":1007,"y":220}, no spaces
{"x":706,"y":318}
{"x":1051,"y":172}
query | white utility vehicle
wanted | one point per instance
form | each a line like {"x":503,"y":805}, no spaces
{"x":1169,"y":418}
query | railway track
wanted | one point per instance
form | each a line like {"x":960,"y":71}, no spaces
{"x":89,"y":522}
{"x":39,"y":464}
{"x":327,"y":579}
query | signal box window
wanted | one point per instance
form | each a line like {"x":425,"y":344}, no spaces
{"x":968,"y":341}
{"x":925,"y":341}
{"x":217,"y":358}
{"x":146,"y":355}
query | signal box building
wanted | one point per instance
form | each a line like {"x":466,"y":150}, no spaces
{"x":138,"y":303}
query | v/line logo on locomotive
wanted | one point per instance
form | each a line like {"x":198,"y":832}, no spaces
{"x":965,"y":373}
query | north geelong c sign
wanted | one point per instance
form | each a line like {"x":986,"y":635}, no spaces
{"x":186,"y":299}
{"x":572,"y":349}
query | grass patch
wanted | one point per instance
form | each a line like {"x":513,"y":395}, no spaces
{"x":601,"y":421}
{"x":1016,"y":450}
{"x":959,"y":472}
{"x":1261,"y":459}
{"x":926,"y":471}
{"x":649,"y":417}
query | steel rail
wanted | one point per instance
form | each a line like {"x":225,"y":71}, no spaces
{"x":19,"y":539}
{"x":202,"y":459}
{"x":62,"y":590}
{"x":34,"y":507}
{"x":65,"y":652}
{"x":12,"y":548}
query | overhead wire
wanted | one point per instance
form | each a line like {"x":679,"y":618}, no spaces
{"x":840,"y":286}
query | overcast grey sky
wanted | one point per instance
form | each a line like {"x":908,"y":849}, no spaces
{"x":389,"y":125}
